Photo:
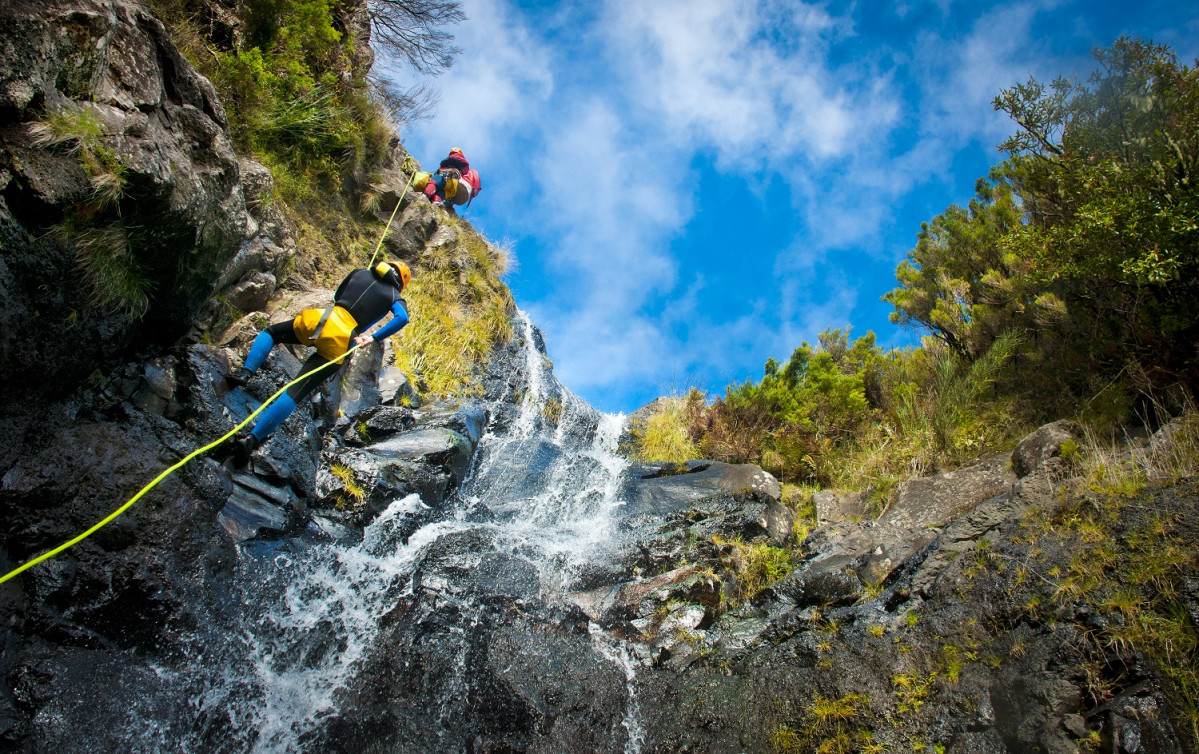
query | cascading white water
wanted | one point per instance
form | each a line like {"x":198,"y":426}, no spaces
{"x":551,"y":477}
{"x":619,"y":655}
{"x":532,"y":402}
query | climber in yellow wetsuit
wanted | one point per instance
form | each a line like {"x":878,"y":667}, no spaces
{"x":364,"y":297}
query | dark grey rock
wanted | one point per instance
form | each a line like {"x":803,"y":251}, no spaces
{"x":937,"y":500}
{"x":467,"y":419}
{"x":356,"y":386}
{"x":982,"y":742}
{"x":1075,"y":725}
{"x":1043,"y":444}
{"x":324,"y":529}
{"x":642,"y":598}
{"x":248,"y":516}
{"x":376,"y":424}
{"x":436,"y":446}
{"x":252,"y":292}
{"x":647,"y":493}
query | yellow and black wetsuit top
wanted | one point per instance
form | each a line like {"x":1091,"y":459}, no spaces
{"x":368,"y":297}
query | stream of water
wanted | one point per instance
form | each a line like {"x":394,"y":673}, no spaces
{"x":313,"y":614}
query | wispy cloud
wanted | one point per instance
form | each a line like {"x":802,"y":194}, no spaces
{"x":593,"y":126}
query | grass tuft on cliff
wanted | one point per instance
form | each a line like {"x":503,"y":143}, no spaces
{"x":460,"y":310}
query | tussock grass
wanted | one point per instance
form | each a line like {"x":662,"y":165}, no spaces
{"x":667,"y":436}
{"x":460,"y":310}
{"x":77,"y":130}
{"x":798,"y":498}
{"x":351,"y":494}
{"x":756,"y":566}
{"x":113,"y":276}
{"x":831,"y":726}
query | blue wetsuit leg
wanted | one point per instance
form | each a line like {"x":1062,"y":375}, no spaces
{"x":277,"y":412}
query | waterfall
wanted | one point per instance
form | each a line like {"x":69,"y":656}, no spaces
{"x":313,"y":614}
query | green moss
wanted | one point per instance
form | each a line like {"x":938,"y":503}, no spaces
{"x":756,"y":566}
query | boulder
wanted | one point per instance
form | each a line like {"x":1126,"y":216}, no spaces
{"x":435,"y":446}
{"x":355,"y":388}
{"x":255,"y":509}
{"x":867,"y":552}
{"x":376,"y":424}
{"x":935,"y":501}
{"x":358,"y":486}
{"x":251,"y":293}
{"x":832,"y":505}
{"x":467,"y":419}
{"x":648,"y":490}
{"x":1043,"y":444}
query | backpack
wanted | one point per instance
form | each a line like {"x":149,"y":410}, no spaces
{"x":329,"y":330}
{"x":471,"y":179}
{"x":420,"y":179}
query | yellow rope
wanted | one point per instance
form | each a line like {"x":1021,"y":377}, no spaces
{"x":107,"y":519}
{"x":393,"y":216}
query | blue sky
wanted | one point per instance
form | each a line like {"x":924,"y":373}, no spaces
{"x":690,"y":187}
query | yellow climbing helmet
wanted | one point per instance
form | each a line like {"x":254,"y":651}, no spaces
{"x":401,"y":270}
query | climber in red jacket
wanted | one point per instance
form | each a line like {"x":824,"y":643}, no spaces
{"x":454,"y":183}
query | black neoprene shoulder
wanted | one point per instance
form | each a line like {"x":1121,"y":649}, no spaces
{"x":366,"y":296}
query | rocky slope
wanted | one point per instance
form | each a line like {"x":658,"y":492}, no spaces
{"x":486,"y":574}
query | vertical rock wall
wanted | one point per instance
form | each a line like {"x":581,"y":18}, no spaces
{"x":114,"y":155}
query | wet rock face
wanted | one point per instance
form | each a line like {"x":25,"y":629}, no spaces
{"x":95,"y":102}
{"x":473,"y":661}
{"x":412,"y":615}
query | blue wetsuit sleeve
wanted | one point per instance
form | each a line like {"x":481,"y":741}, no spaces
{"x":399,"y":318}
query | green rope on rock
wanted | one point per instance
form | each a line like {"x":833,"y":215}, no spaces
{"x":199,"y":451}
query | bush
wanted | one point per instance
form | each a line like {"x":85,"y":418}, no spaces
{"x":668,"y":432}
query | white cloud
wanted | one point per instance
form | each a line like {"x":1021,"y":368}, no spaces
{"x":587,"y":123}
{"x":712,"y":73}
{"x":502,"y":79}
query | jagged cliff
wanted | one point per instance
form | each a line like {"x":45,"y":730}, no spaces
{"x":483,"y":572}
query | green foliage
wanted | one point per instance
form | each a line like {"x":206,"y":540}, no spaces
{"x":1070,"y":283}
{"x":944,"y":410}
{"x":286,"y":76}
{"x":799,"y":409}
{"x":667,"y":433}
{"x":1086,"y":240}
{"x":855,"y":417}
